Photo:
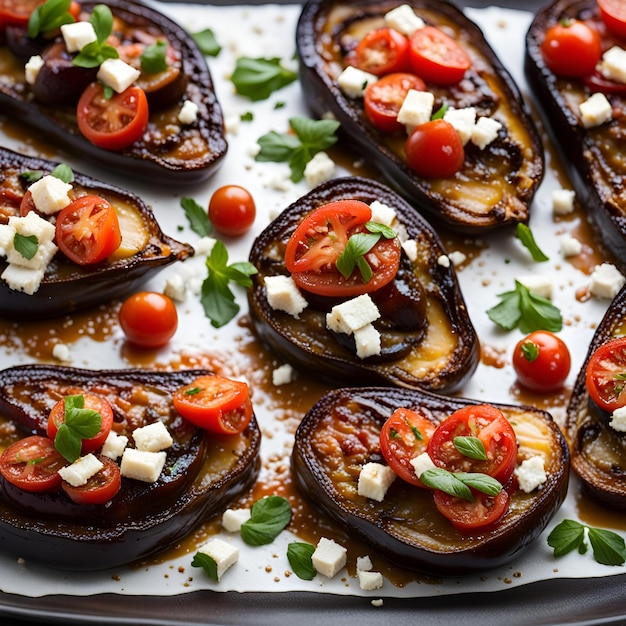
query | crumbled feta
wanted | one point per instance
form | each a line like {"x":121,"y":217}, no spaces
{"x":570,"y":246}
{"x":282,"y":375}
{"x":382,"y":213}
{"x":463,"y":121}
{"x":404,"y":19}
{"x":232,"y":124}
{"x":117,"y":74}
{"x":223,"y":553}
{"x":152,"y":437}
{"x":613,"y":64}
{"x":457,"y":257}
{"x":32,"y":67}
{"x":232,"y":519}
{"x":563,"y":201}
{"x":368,"y":581}
{"x":421,"y":463}
{"x":595,"y":110}
{"x":374,"y":481}
{"x":204,"y":245}
{"x":142,"y":464}
{"x":378,"y":602}
{"x":329,"y":557}
{"x":367,"y":341}
{"x":175,"y":287}
{"x":618,"y":420}
{"x":283,"y":295}
{"x":188,"y":113}
{"x":320,"y":168}
{"x":485,"y":131}
{"x":61,"y":352}
{"x":114,"y":445}
{"x":77,"y":35}
{"x":606,"y":281}
{"x":352,"y":314}
{"x":410,"y":249}
{"x":416,"y":109}
{"x":531,"y":474}
{"x":50,"y":194}
{"x":353,"y":81}
{"x":32,"y":226}
{"x":21,"y":278}
{"x":537,"y":284}
{"x":444,"y":260}
{"x":81,"y":470}
{"x":363,"y":564}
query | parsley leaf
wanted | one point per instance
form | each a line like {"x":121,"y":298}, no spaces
{"x":207,"y":563}
{"x":527,"y":310}
{"x":48,"y":17}
{"x":198,"y":218}
{"x":153,"y":58}
{"x":79,"y":423}
{"x":299,"y":556}
{"x":268,"y":517}
{"x":525,"y":235}
{"x":96,"y":52}
{"x":27,"y":246}
{"x":258,"y":78}
{"x":206,"y":41}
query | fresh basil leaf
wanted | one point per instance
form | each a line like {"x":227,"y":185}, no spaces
{"x":439,"y":113}
{"x":197,"y":216}
{"x":567,"y":536}
{"x":49,"y":16}
{"x":96,"y":52}
{"x":525,"y":235}
{"x":317,"y":135}
{"x":439,"y":478}
{"x":32,"y":176}
{"x":386,"y":231}
{"x":268,"y":517}
{"x":153,"y":58}
{"x":481,"y":482}
{"x":507,"y":313}
{"x":299,"y":557}
{"x":608,"y":547}
{"x":102,"y":21}
{"x":63,"y":172}
{"x":354,"y":255}
{"x":248,"y":116}
{"x":207,"y":42}
{"x":276,"y":147}
{"x":26,"y":245}
{"x":67,"y":443}
{"x":258,"y":78}
{"x":471,"y":447}
{"x":207,"y":563}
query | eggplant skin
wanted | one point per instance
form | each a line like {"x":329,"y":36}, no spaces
{"x":446,"y":357}
{"x":142,"y":519}
{"x":178,"y":159}
{"x":598,"y":451}
{"x":496,"y":186}
{"x":68,"y":287}
{"x":406,"y":527}
{"x":592,"y":157}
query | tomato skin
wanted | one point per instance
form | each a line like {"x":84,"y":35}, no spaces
{"x":571,"y":48}
{"x":114,"y":123}
{"x":311,"y":253}
{"x":606,"y":375}
{"x":382,"y":99}
{"x":613,"y":14}
{"x":548,"y":369}
{"x":435,"y":150}
{"x":596,"y":82}
{"x":215,"y":403}
{"x":149,"y":319}
{"x":32,"y":464}
{"x":17,"y":12}
{"x":381,"y":52}
{"x":482,"y":514}
{"x":93,"y":402}
{"x":399,"y":442}
{"x":232,"y":210}
{"x":487,"y":423}
{"x":100,"y":488}
{"x":436,"y":57}
{"x":88,"y":230}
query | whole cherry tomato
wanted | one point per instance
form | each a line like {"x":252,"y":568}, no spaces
{"x":382,"y":51}
{"x":571,"y":48}
{"x":613,"y":14}
{"x":434,"y":150}
{"x":232,"y":210}
{"x":606,"y":375}
{"x":541,"y":361}
{"x":149,"y":319}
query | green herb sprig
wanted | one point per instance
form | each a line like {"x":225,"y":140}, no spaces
{"x":153,"y":58}
{"x":80,"y":423}
{"x":458,"y":483}
{"x":96,"y":52}
{"x":258,"y":78}
{"x":268,"y":518}
{"x":197,"y":217}
{"x":49,"y":16}
{"x":62,"y":171}
{"x":26,"y":245}
{"x":299,"y":556}
{"x":207,"y":42}
{"x":207,"y":563}
{"x":525,"y":235}
{"x":471,"y":447}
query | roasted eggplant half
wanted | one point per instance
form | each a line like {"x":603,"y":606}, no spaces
{"x":203,"y":473}
{"x":598,"y":446}
{"x":67,"y":286}
{"x":591,"y":155}
{"x":433,"y":347}
{"x":341,"y":433}
{"x":169,"y":150}
{"x":495,"y":185}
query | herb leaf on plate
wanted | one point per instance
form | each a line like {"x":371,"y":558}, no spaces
{"x":258,"y":78}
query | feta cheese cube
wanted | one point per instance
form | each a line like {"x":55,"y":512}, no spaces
{"x":613,"y":64}
{"x":404,"y":19}
{"x":282,"y":375}
{"x":421,"y":463}
{"x":368,"y":581}
{"x":283,"y":295}
{"x":117,"y":74}
{"x":33,"y":224}
{"x":232,"y":519}
{"x":352,"y":314}
{"x":320,"y":168}
{"x":410,"y":249}
{"x":142,"y":464}
{"x":329,"y":557}
{"x":563,"y":201}
{"x":81,"y":470}
{"x":153,"y":437}
{"x":618,"y":420}
{"x":175,"y":287}
{"x":463,"y":121}
{"x":7,"y":234}
{"x":457,"y":257}
{"x":416,"y":109}
{"x":204,"y":245}
{"x":363,"y":564}
{"x":531,"y":474}
{"x":374,"y":481}
{"x":570,"y":246}
{"x":188,"y":113}
{"x":77,"y":35}
{"x":595,"y":110}
{"x":353,"y":81}
{"x":223,"y":553}
{"x":382,"y":213}
{"x":50,"y":194}
{"x":114,"y":445}
{"x":61,"y":352}
{"x":367,"y":340}
{"x":539,"y":285}
{"x":38,"y":262}
{"x":23,"y":279}
{"x":32,"y":67}
{"x":606,"y":281}
{"x":485,"y":131}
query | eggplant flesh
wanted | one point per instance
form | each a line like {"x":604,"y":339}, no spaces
{"x":202,"y":475}
{"x":496,"y":185}
{"x":442,"y":360}
{"x":168,"y":152}
{"x":598,"y":451}
{"x":66,"y":286}
{"x":592,"y":157}
{"x":341,"y":433}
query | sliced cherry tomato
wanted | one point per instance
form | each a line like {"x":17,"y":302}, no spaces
{"x":93,"y":402}
{"x":490,"y":426}
{"x":32,"y":464}
{"x":17,"y":12}
{"x":435,"y":150}
{"x":316,"y":244}
{"x":27,"y":204}
{"x":481,"y":514}
{"x":98,"y":489}
{"x":382,"y":51}
{"x":404,"y":436}
{"x":436,"y":57}
{"x":232,"y":210}
{"x":613,"y":14}
{"x":597,"y":82}
{"x":606,"y":375}
{"x":87,"y":230}
{"x":382,"y":99}
{"x":571,"y":48}
{"x":112,"y":123}
{"x":215,"y":403}
{"x":541,"y":361}
{"x":149,"y":319}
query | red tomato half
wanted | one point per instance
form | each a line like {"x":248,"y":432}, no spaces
{"x":232,"y":210}
{"x":17,"y":12}
{"x":149,"y":319}
{"x":32,"y":464}
{"x":98,"y":489}
{"x":541,"y":361}
{"x":114,"y":123}
{"x":87,"y":230}
{"x":435,"y":150}
{"x":382,"y":51}
{"x":488,"y":424}
{"x":215,"y":403}
{"x":382,"y":99}
{"x":481,"y":514}
{"x":95,"y":403}
{"x":606,"y":375}
{"x":404,"y":436}
{"x":316,"y":244}
{"x":614,"y":16}
{"x":436,"y":57}
{"x":571,"y":48}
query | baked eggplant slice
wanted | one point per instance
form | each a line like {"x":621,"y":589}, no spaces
{"x":591,"y":156}
{"x":67,"y":286}
{"x":168,"y":151}
{"x":495,"y":185}
{"x":341,"y":433}
{"x":440,"y":354}
{"x":203,"y":472}
{"x":598,"y":450}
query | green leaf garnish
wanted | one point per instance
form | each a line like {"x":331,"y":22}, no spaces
{"x":458,"y":484}
{"x":311,"y":137}
{"x":439,"y":113}
{"x":62,"y":172}
{"x":217,"y":298}
{"x":525,"y":235}
{"x":530,"y":351}
{"x":527,"y":310}
{"x":248,"y":116}
{"x":197,"y":216}
{"x":481,"y":482}
{"x":207,"y":563}
{"x":258,"y":78}
{"x":153,"y":58}
{"x":79,"y":424}
{"x":48,"y":17}
{"x":268,"y":517}
{"x":471,"y":447}
{"x":299,"y":556}
{"x":26,"y":245}
{"x":96,"y":52}
{"x":206,"y":41}
{"x":608,"y":547}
